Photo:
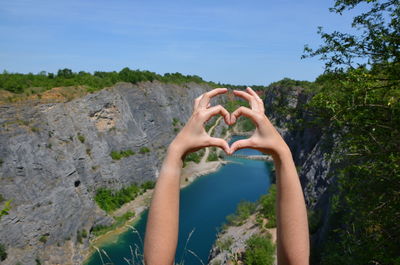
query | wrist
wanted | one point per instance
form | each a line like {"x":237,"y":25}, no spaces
{"x":175,"y":150}
{"x":281,"y":153}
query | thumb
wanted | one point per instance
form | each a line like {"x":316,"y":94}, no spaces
{"x":221,"y":143}
{"x":245,"y":143}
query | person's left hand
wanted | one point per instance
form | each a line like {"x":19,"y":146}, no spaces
{"x":193,"y":136}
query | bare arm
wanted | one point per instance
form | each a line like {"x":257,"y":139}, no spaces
{"x":162,"y":225}
{"x":292,"y":230}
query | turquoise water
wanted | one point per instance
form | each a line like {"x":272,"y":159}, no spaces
{"x":204,"y":206}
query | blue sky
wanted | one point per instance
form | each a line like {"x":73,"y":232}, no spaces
{"x":237,"y":42}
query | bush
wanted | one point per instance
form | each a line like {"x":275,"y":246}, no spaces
{"x":212,"y":157}
{"x":259,"y":250}
{"x":3,"y":253}
{"x":268,"y":204}
{"x":194,"y":157}
{"x":144,"y":150}
{"x":148,"y":185}
{"x":44,"y":238}
{"x":81,"y":138}
{"x":80,"y":235}
{"x":243,"y":211}
{"x":109,"y":200}
{"x":117,"y":155}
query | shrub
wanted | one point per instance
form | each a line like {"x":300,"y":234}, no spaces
{"x":3,"y":253}
{"x":194,"y":157}
{"x":175,"y":121}
{"x":148,"y":185}
{"x":268,"y":203}
{"x":243,"y":211}
{"x":259,"y":250}
{"x":44,"y":238}
{"x":144,"y":150}
{"x":117,"y":155}
{"x":109,"y":200}
{"x":212,"y":157}
{"x":81,"y":138}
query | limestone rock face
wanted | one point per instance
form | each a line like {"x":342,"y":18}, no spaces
{"x":312,"y":148}
{"x":55,"y":156}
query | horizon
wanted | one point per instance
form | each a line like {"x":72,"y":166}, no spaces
{"x":228,"y":42}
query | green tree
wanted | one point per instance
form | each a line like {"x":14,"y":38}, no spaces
{"x":358,"y":100}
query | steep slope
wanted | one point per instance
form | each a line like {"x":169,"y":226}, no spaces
{"x":55,"y":156}
{"x":311,"y":148}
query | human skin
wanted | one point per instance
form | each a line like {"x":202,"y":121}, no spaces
{"x":292,"y":224}
{"x":162,"y":225}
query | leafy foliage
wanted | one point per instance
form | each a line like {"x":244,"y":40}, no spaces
{"x":268,"y":205}
{"x":27,"y":83}
{"x":117,"y":155}
{"x":6,"y":208}
{"x":109,"y":200}
{"x":144,"y":150}
{"x":362,"y":107}
{"x":212,"y":157}
{"x":243,"y":211}
{"x":3,"y":253}
{"x":148,"y":185}
{"x":378,"y":42}
{"x":259,"y":250}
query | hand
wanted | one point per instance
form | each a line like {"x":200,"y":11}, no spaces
{"x":265,"y":138}
{"x":193,"y":136}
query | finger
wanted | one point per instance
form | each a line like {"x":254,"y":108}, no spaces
{"x":257,"y":98}
{"x":245,"y":143}
{"x":197,"y":101}
{"x":219,"y":143}
{"x":252,"y":92}
{"x":209,"y":105}
{"x":243,"y":111}
{"x":248,"y":97}
{"x":207,"y":96}
{"x":218,"y":109}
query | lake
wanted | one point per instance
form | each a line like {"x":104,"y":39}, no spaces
{"x":204,"y":206}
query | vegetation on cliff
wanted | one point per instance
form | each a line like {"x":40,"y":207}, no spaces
{"x":358,"y":99}
{"x":110,"y":200}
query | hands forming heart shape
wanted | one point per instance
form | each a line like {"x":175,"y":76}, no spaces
{"x":193,"y":136}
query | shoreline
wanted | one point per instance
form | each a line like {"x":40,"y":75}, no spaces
{"x":189,"y":174}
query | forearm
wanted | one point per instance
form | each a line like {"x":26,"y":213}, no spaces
{"x":292,"y":230}
{"x":162,"y":225}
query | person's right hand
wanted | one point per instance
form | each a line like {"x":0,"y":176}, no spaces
{"x":265,"y":138}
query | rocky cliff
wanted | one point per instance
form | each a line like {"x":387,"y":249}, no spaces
{"x":312,"y":147}
{"x":55,"y":156}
